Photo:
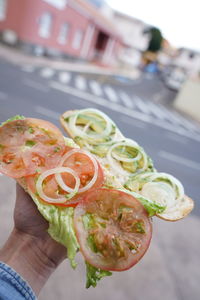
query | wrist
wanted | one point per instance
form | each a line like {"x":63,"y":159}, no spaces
{"x":33,"y":258}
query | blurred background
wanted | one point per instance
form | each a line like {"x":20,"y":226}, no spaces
{"x":139,"y":62}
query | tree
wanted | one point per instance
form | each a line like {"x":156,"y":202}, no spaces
{"x":156,"y":39}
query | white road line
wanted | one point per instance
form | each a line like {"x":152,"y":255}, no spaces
{"x":157,"y":111}
{"x":47,"y":72}
{"x":177,"y":138}
{"x":180,"y":160}
{"x":168,"y":114}
{"x":64,"y":77}
{"x":35,"y":85}
{"x":126,"y":99}
{"x":141,"y":105}
{"x":100,"y":101}
{"x":186,"y":123}
{"x":3,"y":96}
{"x":95,"y":87}
{"x":121,"y":109}
{"x":47,"y":112}
{"x":110,"y":94}
{"x":80,"y":83}
{"x":28,"y":68}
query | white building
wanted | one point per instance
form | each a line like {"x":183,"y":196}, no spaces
{"x":134,"y":36}
{"x":188,"y":60}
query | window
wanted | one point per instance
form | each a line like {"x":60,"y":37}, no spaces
{"x":45,"y":24}
{"x":3,"y":4}
{"x":77,"y":39}
{"x":63,"y":34}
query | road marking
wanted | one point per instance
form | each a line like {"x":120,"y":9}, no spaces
{"x":35,"y":85}
{"x":141,"y":105}
{"x":64,"y":77}
{"x":95,"y":87}
{"x":177,"y":138}
{"x":121,"y":109}
{"x":3,"y":96}
{"x":28,"y":68}
{"x":157,"y":111}
{"x":186,"y":123}
{"x":110,"y":93}
{"x":80,"y":83}
{"x":178,"y":159}
{"x":47,"y":112}
{"x":47,"y":72}
{"x":126,"y":99}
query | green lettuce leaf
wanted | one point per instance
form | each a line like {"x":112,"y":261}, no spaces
{"x":17,"y":117}
{"x":151,"y":207}
{"x":61,"y":226}
{"x":94,"y":275}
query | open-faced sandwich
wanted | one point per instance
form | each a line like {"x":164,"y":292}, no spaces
{"x":98,"y":190}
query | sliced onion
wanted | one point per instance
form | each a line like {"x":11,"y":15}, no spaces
{"x":47,"y":173}
{"x":94,"y":178}
{"x":62,"y":184}
{"x":129,"y":143}
{"x":81,"y":133}
{"x":159,"y":192}
{"x":86,"y":127}
{"x":117,"y":157}
{"x":175,"y":182}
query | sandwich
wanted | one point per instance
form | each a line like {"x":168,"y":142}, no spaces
{"x":129,"y":166}
{"x":97,"y":189}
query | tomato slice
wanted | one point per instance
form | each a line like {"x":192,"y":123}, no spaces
{"x":113,"y":229}
{"x":29,"y":144}
{"x":83,"y":167}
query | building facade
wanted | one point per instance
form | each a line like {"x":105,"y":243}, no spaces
{"x":72,"y":27}
{"x":134,"y":37}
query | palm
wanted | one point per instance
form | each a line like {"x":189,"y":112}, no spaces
{"x":27,"y":217}
{"x":28,"y":220}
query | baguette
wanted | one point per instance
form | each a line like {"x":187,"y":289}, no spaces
{"x":181,"y":208}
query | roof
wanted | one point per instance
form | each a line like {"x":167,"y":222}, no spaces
{"x":129,"y":18}
{"x":98,"y":18}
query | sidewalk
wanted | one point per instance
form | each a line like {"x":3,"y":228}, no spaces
{"x":18,"y":57}
{"x":169,"y":270}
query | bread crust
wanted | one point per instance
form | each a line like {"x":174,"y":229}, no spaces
{"x":186,"y":204}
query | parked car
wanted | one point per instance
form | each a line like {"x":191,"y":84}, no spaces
{"x":174,"y":78}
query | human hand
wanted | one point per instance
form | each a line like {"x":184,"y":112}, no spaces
{"x":30,"y":250}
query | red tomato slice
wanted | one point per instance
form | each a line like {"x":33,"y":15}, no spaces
{"x":113,"y":229}
{"x":29,"y":144}
{"x":84,"y":168}
{"x":78,"y":162}
{"x":51,"y":189}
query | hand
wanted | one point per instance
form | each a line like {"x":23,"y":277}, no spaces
{"x":30,"y":250}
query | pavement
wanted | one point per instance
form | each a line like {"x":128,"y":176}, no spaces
{"x":170,"y":268}
{"x":16,"y":56}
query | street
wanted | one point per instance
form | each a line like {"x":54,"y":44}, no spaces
{"x":170,"y":139}
{"x":142,"y":110}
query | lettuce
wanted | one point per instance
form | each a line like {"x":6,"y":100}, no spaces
{"x":61,"y":226}
{"x":151,"y":207}
{"x":17,"y":117}
{"x":94,"y":275}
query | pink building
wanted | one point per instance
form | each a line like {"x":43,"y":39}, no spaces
{"x":72,"y":27}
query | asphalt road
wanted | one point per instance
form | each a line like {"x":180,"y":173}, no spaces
{"x":170,"y":139}
{"x":170,"y":268}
